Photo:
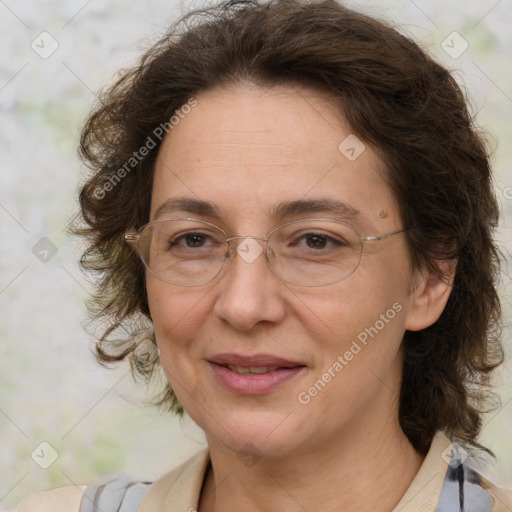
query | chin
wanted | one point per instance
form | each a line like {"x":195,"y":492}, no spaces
{"x":254,"y":434}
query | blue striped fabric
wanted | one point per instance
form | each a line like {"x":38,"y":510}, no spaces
{"x":117,"y":493}
{"x":462,"y":491}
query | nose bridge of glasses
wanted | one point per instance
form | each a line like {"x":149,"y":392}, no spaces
{"x":229,"y":238}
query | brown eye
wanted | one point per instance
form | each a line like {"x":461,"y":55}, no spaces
{"x":190,"y":240}
{"x":318,"y":241}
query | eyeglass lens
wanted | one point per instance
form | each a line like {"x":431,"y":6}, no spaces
{"x":307,"y":253}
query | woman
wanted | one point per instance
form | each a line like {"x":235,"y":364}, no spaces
{"x":290,"y":206}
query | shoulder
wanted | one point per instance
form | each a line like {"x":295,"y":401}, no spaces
{"x":179,"y":489}
{"x":451,"y":478}
{"x":111,"y":493}
{"x":63,"y":499}
{"x":470,"y":479}
{"x":119,"y":492}
{"x":501,"y":497}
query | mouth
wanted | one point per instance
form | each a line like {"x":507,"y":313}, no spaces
{"x":253,"y":374}
{"x":258,"y":370}
{"x":257,"y":361}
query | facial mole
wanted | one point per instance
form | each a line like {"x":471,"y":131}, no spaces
{"x":383,"y":214}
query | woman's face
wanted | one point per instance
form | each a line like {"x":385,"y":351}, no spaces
{"x":247,"y":150}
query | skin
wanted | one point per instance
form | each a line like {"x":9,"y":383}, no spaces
{"x":247,"y":148}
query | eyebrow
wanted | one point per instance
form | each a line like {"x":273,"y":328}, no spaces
{"x":335,"y":209}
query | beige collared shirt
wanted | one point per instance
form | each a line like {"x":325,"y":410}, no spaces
{"x":179,"y":490}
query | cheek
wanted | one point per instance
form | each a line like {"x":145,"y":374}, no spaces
{"x":174,"y":312}
{"x":358,"y":351}
{"x":358,"y":302}
{"x":362,"y":319}
{"x":169,"y":310}
{"x":178,"y":314}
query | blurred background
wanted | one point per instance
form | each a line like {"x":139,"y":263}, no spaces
{"x":63,"y":418}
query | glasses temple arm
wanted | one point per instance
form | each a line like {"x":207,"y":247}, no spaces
{"x":376,"y":238}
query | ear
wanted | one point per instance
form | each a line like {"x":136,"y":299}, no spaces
{"x":429,"y":296}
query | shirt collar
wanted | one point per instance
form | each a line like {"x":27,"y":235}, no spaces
{"x":179,"y":490}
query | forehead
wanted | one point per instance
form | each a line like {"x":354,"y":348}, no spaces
{"x":246,"y":149}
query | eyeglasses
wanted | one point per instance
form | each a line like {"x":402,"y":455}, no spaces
{"x":190,"y":252}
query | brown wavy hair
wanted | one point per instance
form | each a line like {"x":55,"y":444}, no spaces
{"x":395,"y":97}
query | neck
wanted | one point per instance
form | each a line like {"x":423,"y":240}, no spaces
{"x":368,"y":468}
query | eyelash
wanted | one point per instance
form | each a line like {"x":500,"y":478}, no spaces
{"x":303,"y":236}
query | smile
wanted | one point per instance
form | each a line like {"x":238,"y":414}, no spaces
{"x":253,"y":380}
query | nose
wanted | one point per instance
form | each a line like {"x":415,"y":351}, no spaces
{"x":249,"y":293}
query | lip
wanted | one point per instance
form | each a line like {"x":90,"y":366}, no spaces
{"x":253,"y":384}
{"x":253,"y":360}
